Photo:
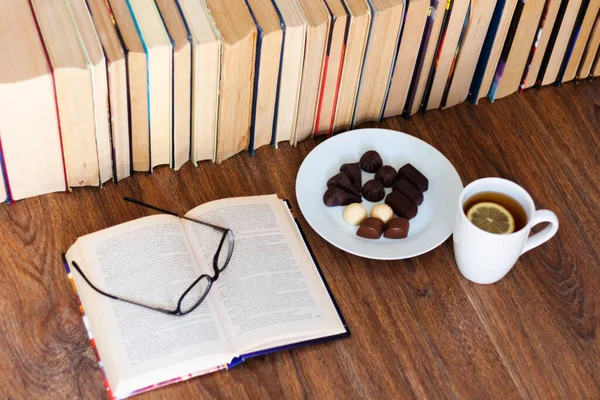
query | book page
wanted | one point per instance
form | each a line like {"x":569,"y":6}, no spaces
{"x":148,"y":261}
{"x":271,"y":289}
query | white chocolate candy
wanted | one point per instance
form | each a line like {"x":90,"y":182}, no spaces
{"x":355,"y":214}
{"x":382,"y":212}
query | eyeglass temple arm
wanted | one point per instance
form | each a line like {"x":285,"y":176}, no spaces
{"x":162,"y":210}
{"x":112,"y":296}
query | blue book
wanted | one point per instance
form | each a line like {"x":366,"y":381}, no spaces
{"x":265,"y":97}
{"x":4,"y":185}
{"x":512,"y":30}
{"x":484,"y":57}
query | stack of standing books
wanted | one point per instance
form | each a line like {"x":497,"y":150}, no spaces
{"x":93,"y":90}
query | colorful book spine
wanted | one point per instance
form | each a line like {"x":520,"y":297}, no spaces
{"x":421,"y":57}
{"x":552,"y":41}
{"x":340,"y":70}
{"x":486,"y":51}
{"x":260,"y":34}
{"x":5,"y":175}
{"x":326,"y":67}
{"x":438,"y":53}
{"x":277,"y":96}
{"x":536,"y":42}
{"x":572,"y":41}
{"x":455,"y":58}
{"x":510,"y":37}
{"x":146,"y":52}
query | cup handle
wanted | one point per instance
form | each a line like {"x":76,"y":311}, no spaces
{"x":545,"y":234}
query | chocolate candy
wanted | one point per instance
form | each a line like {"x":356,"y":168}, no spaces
{"x":334,"y":196}
{"x":371,"y":228}
{"x":373,"y":190}
{"x":413,"y":175}
{"x":342,"y":181}
{"x":397,"y":228}
{"x":387,"y":175}
{"x":411,"y":191}
{"x":402,"y":205}
{"x":371,"y":161}
{"x":353,"y":172}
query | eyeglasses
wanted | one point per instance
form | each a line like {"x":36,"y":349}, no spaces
{"x":195,"y":294}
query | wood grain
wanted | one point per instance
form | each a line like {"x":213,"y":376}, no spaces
{"x":420,"y":330}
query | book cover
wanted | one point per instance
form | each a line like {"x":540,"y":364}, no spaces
{"x":559,"y":41}
{"x":484,"y":57}
{"x":4,"y":185}
{"x":118,"y":86}
{"x":512,"y":30}
{"x":332,"y":67}
{"x":591,"y":50}
{"x":405,"y":4}
{"x":455,"y":57}
{"x":436,"y":57}
{"x":294,"y":27}
{"x":279,"y":74}
{"x":534,"y":47}
{"x":159,"y":63}
{"x":572,"y":41}
{"x":267,"y":67}
{"x":137,"y":85}
{"x":420,"y":58}
{"x":181,"y":83}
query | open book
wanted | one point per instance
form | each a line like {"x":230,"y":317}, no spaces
{"x":271,"y":295}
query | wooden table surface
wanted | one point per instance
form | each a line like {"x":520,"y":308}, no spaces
{"x":419,"y":329}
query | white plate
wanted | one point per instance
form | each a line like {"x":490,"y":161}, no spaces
{"x":432,"y":225}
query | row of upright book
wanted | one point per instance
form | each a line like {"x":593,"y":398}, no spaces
{"x":93,"y":90}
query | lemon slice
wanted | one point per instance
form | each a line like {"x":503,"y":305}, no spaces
{"x":492,"y":217}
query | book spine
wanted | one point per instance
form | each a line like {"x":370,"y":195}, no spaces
{"x":512,"y":30}
{"x":5,"y":175}
{"x":172,"y":41}
{"x":535,"y":45}
{"x":191,"y":41}
{"x":455,"y":58}
{"x":51,"y":67}
{"x":438,"y":53}
{"x":406,"y":4}
{"x":572,"y":41}
{"x":259,"y":42}
{"x":279,"y":74}
{"x":126,"y":54}
{"x":325,"y":71}
{"x":340,"y":73}
{"x":552,"y":41}
{"x":420,"y":58}
{"x":484,"y":58}
{"x":146,"y":52}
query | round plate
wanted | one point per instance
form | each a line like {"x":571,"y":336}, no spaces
{"x":432,"y":225}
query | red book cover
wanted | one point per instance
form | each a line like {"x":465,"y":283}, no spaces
{"x":332,"y":74}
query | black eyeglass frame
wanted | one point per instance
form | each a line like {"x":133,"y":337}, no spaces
{"x":227,"y":235}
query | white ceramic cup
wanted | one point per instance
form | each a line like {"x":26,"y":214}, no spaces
{"x":484,"y":257}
